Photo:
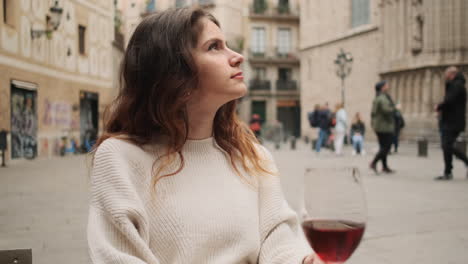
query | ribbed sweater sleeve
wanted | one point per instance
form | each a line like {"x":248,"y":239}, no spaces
{"x":280,"y":240}
{"x":117,"y":225}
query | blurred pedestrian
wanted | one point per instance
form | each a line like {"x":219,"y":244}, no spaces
{"x":383,"y":123}
{"x":358,"y":130}
{"x":255,"y":125}
{"x":313,"y":116}
{"x":452,"y":119}
{"x":324,"y":127}
{"x":177,"y":178}
{"x":341,"y":125}
{"x":399,"y":125}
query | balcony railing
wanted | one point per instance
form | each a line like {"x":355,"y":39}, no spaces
{"x":276,"y":12}
{"x":286,"y":85}
{"x":259,"y":85}
{"x":274,"y":55}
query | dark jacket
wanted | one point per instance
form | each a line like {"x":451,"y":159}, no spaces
{"x":453,"y":106}
{"x":383,"y":114}
{"x":358,"y":127}
{"x":324,"y":117}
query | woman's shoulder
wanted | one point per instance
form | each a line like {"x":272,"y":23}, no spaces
{"x":119,"y":146}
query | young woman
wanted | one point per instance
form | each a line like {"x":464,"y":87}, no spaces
{"x":358,"y":129}
{"x":177,"y":178}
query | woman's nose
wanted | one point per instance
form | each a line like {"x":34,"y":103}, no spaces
{"x":236,"y":59}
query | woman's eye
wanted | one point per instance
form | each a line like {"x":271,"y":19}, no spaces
{"x":213,"y":46}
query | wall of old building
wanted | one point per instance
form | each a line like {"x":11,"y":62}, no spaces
{"x":53,"y":69}
{"x":421,"y":38}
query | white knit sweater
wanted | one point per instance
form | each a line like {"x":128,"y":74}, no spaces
{"x":204,"y":215}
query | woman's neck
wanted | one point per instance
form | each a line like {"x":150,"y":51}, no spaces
{"x":200,"y":123}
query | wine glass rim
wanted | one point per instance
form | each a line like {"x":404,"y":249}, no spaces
{"x":339,"y":219}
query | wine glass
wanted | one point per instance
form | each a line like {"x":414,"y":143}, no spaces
{"x":335,"y":212}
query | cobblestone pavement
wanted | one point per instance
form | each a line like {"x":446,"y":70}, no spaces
{"x":412,"y":219}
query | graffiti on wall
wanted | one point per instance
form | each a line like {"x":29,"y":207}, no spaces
{"x":58,"y":114}
{"x":23,"y":123}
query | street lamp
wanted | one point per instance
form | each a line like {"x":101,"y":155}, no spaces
{"x":52,"y":22}
{"x":343,"y":63}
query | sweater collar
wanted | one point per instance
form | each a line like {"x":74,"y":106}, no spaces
{"x":200,"y":145}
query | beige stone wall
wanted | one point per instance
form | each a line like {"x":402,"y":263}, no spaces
{"x":55,"y":66}
{"x":323,"y":21}
{"x":442,"y":38}
{"x":16,"y":42}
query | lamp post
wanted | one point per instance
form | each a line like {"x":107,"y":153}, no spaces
{"x":343,"y":63}
{"x":52,"y":22}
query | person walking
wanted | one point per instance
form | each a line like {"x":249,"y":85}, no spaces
{"x":383,"y":123}
{"x":340,"y":128}
{"x":324,"y":127}
{"x":177,"y":177}
{"x":399,"y":125}
{"x":358,"y":130}
{"x":452,"y":119}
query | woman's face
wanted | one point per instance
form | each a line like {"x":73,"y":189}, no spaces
{"x":220,"y":77}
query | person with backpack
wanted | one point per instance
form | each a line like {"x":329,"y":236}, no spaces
{"x":323,"y":119}
{"x":313,"y":116}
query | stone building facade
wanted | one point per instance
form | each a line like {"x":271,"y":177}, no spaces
{"x":420,"y":39}
{"x":407,"y":42}
{"x":53,"y":87}
{"x":272,"y":64}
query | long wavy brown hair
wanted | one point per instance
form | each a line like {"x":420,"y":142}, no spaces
{"x":157,"y":76}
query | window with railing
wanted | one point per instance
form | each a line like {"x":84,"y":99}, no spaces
{"x":283,"y":6}
{"x":258,"y":41}
{"x":360,"y":12}
{"x":284,"y":42}
{"x":285,"y":81}
{"x":259,"y":73}
{"x":260,"y":6}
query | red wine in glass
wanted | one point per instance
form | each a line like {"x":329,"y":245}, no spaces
{"x":333,"y":240}
{"x":335,"y":213}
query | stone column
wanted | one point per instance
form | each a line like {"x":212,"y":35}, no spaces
{"x":401,"y":24}
{"x":437,"y":87}
{"x":427,"y":94}
{"x":458,"y":19}
{"x":404,"y":93}
{"x":396,"y":87}
{"x":272,"y":109}
{"x":395,"y":30}
{"x":410,"y":85}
